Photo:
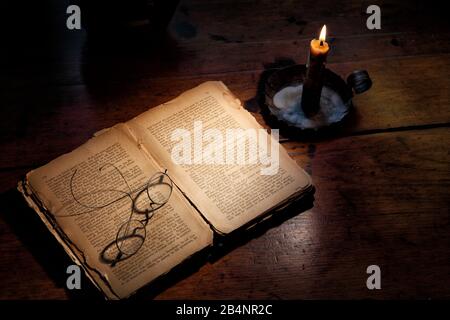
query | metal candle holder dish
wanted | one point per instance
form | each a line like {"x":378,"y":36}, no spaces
{"x":283,"y":92}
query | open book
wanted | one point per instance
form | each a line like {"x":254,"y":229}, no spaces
{"x":132,"y":202}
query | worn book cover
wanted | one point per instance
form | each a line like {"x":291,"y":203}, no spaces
{"x":141,"y":197}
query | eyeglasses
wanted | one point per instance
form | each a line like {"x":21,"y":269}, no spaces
{"x":144,"y":202}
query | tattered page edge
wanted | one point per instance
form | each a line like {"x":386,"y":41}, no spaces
{"x":101,"y":284}
{"x":281,"y":206}
{"x":36,"y":204}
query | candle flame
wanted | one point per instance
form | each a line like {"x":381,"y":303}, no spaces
{"x":323,"y":33}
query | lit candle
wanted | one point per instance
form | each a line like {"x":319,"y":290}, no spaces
{"x":312,"y":87}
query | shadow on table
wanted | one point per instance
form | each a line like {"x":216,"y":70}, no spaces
{"x":34,"y":235}
{"x":125,"y":45}
{"x":31,"y":231}
{"x":117,"y":70}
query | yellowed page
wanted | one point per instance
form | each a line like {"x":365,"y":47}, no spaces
{"x":78,"y":189}
{"x":228,"y":195}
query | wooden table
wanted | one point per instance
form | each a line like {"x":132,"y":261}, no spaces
{"x":382,"y":184}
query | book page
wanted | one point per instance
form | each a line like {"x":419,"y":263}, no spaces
{"x":120,"y":212}
{"x":226,"y":189}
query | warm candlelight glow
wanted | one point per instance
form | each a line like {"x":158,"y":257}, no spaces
{"x":320,"y":46}
{"x":323,"y":33}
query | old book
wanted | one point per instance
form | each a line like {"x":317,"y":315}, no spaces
{"x":134,"y":201}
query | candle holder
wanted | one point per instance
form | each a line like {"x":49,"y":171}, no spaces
{"x":283,"y":94}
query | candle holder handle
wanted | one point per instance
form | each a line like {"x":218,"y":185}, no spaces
{"x":359,"y":81}
{"x":283,"y":90}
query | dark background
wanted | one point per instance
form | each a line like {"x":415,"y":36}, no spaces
{"x":382,"y":180}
